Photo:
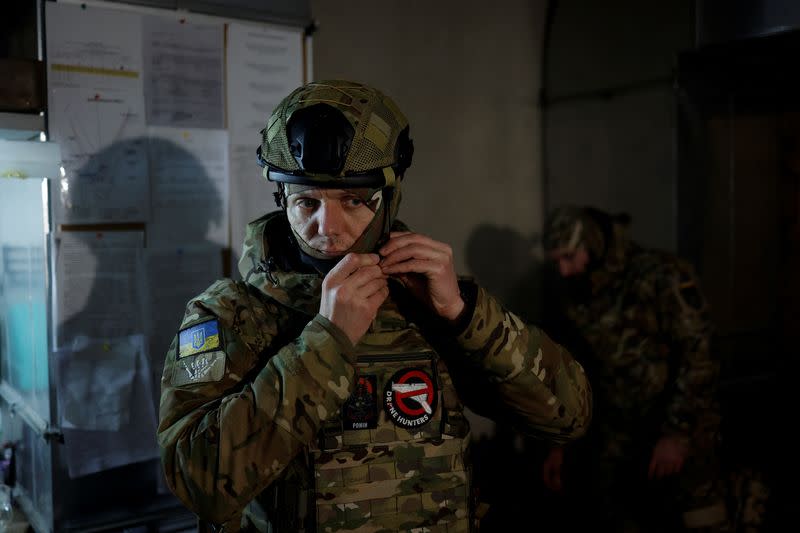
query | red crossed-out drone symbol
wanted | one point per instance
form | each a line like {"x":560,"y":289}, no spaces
{"x":422,"y":393}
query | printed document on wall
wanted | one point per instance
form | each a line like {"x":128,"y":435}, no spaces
{"x":264,"y":64}
{"x":189,"y":179}
{"x":96,"y":114}
{"x":106,"y":393}
{"x":95,"y":382}
{"x":183,"y":73}
{"x":99,"y":290}
{"x":93,"y":46}
{"x":104,"y":152}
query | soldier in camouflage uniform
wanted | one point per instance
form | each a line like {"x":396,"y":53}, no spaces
{"x":324,"y":391}
{"x":638,"y":322}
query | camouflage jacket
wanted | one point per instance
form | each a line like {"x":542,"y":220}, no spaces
{"x":255,"y":372}
{"x":645,"y":332}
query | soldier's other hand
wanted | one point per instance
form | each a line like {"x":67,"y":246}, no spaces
{"x":425,"y":267}
{"x":551,"y":469}
{"x":352,"y":292}
{"x":668,"y":457}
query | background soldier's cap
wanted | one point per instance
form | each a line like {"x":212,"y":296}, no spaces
{"x":567,"y":227}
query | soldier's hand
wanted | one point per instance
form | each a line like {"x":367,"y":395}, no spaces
{"x":668,"y":457}
{"x":425,"y":267}
{"x":551,"y":469}
{"x":352,"y":292}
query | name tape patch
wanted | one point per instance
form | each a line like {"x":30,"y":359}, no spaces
{"x":360,"y":411}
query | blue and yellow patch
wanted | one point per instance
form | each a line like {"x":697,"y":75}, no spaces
{"x":202,"y":337}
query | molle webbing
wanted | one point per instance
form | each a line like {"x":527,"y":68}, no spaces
{"x":389,"y":477}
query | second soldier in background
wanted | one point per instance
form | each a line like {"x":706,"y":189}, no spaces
{"x":639,"y":323}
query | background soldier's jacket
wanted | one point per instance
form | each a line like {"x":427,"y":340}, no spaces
{"x":648,"y":328}
{"x":241,"y":419}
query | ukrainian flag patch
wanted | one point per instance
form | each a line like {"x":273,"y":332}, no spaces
{"x":202,"y":337}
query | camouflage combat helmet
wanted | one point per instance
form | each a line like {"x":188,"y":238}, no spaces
{"x":568,"y":227}
{"x":338,"y":134}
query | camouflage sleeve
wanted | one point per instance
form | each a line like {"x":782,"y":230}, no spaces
{"x":232,"y":416}
{"x":686,"y":320}
{"x":537,"y":379}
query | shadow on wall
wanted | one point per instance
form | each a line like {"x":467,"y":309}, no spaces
{"x":116,"y":290}
{"x":505,"y":263}
{"x":124,"y":288}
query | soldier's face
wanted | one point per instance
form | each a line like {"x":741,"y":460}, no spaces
{"x":570,"y":262}
{"x":330,"y":220}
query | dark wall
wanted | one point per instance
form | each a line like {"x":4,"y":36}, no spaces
{"x":739,"y":222}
